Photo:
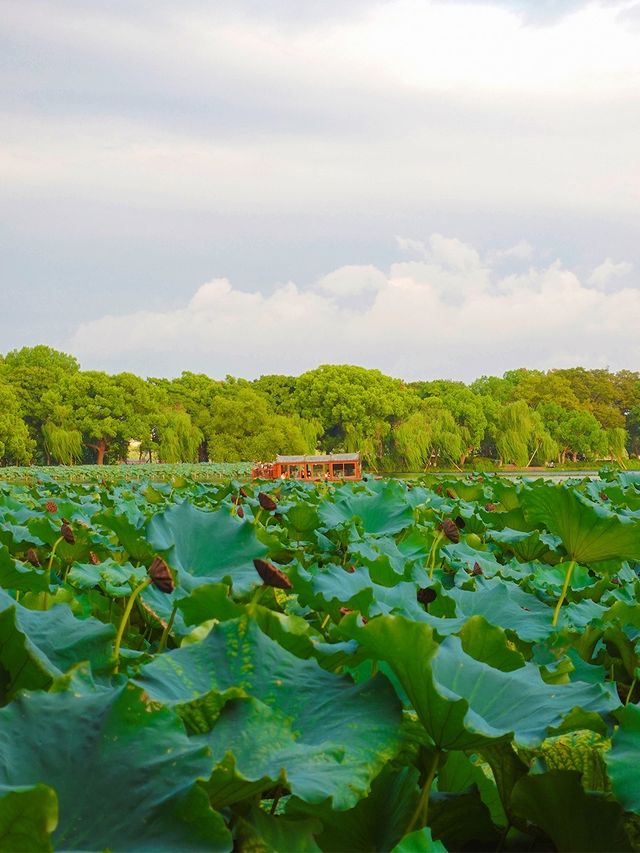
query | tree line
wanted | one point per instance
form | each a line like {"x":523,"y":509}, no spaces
{"x":52,"y":412}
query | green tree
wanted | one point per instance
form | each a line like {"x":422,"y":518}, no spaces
{"x":176,"y":438}
{"x":429,"y":437}
{"x":242,"y":427}
{"x":34,"y":372}
{"x":196,"y":394}
{"x":280,"y":392}
{"x":356,"y":408}
{"x":62,"y":445}
{"x":617,"y":444}
{"x":16,"y":447}
{"x":521,"y":437}
{"x":108,"y":411}
{"x":577,"y":433}
{"x":500,"y":390}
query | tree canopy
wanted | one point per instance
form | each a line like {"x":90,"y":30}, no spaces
{"x":52,"y":412}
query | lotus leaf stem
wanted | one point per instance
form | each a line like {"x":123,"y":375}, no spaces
{"x":431,"y":562}
{"x":49,"y":567}
{"x":421,"y":813}
{"x":631,"y":689}
{"x":125,"y":618}
{"x":167,"y":629}
{"x":563,"y":594}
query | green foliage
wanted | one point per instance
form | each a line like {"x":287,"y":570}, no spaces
{"x":242,"y":427}
{"x":355,"y":407}
{"x":16,"y":447}
{"x":394,"y":690}
{"x":54,"y":413}
{"x":63,"y":445}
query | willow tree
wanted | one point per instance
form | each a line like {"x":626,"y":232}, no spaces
{"x":412,"y":440}
{"x":430,"y":436}
{"x":521,"y":437}
{"x":62,"y":445}
{"x":16,"y":447}
{"x":617,"y":442}
{"x":178,"y":439}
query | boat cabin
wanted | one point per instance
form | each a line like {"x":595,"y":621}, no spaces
{"x":331,"y":466}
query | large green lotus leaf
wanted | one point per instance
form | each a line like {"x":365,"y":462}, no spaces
{"x":526,"y":545}
{"x":212,"y":602}
{"x":209,"y":601}
{"x":302,"y":520}
{"x":551,"y":578}
{"x":14,"y":574}
{"x":464,"y":703}
{"x":386,"y":563}
{"x":384,"y":512}
{"x":415,"y":544}
{"x":582,"y":751}
{"x":460,"y":773}
{"x":207,"y":546}
{"x":129,"y":531}
{"x":27,"y":819}
{"x":117,"y":579}
{"x":328,"y":735}
{"x":17,"y":536}
{"x":117,"y":764}
{"x":589,"y":532}
{"x":573,"y":819}
{"x":227,"y":786}
{"x":622,"y":759}
{"x":507,"y":606}
{"x":38,"y":646}
{"x":419,"y":841}
{"x":259,"y":831}
{"x":613,"y":495}
{"x":462,"y":821}
{"x":488,"y":643}
{"x":463,"y":556}
{"x":187,"y":824}
{"x":577,"y":615}
{"x":377,"y":822}
{"x":331,"y":587}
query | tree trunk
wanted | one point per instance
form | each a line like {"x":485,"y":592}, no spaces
{"x":100,"y":448}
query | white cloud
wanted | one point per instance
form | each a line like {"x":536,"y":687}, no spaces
{"x":608,"y":272}
{"x":422,"y":319}
{"x":352,"y":280}
{"x":521,"y":251}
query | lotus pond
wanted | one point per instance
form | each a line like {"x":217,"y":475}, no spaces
{"x":391,"y":666}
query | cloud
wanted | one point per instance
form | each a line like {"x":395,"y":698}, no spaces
{"x":608,"y":272}
{"x":443,"y":251}
{"x":630,"y":17}
{"x":543,"y":12}
{"x":352,"y":280}
{"x":520,"y":251}
{"x":448,"y":315}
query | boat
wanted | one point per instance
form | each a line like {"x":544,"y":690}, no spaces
{"x":328,"y":467}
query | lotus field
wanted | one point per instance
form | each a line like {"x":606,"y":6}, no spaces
{"x":287,"y":666}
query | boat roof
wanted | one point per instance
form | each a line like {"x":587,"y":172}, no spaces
{"x":326,"y":457}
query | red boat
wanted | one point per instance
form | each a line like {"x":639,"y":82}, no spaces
{"x":330,"y":467}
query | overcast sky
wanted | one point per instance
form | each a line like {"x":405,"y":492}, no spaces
{"x":430,"y":187}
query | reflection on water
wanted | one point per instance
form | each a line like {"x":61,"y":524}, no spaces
{"x":524,"y":474}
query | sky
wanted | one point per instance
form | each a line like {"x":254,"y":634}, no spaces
{"x":433,"y":188}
